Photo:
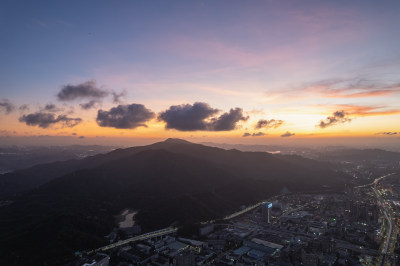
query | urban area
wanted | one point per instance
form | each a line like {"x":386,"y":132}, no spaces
{"x":357,"y":226}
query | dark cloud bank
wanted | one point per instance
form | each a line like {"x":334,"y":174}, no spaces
{"x":200,"y":116}
{"x":45,"y":120}
{"x":337,"y":117}
{"x":125,"y":116}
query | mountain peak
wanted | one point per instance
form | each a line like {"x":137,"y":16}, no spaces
{"x":176,"y":141}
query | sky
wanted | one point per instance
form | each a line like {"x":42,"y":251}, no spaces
{"x":224,"y":71}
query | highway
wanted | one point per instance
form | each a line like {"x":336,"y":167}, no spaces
{"x":375,"y":181}
{"x":387,"y":214}
{"x":162,"y":232}
{"x":389,"y":220}
{"x":169,"y":230}
{"x":236,"y":214}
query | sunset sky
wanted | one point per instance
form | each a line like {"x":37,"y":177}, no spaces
{"x":223,"y":71}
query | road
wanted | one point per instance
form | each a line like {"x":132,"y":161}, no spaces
{"x":375,"y":181}
{"x":171,"y":230}
{"x":236,"y":214}
{"x":292,"y":210}
{"x":388,"y":216}
{"x":162,"y":232}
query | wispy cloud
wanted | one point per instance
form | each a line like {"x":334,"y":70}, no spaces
{"x":89,"y":105}
{"x":6,"y":106}
{"x":258,"y":134}
{"x":39,"y":22}
{"x":359,"y":110}
{"x":339,"y":88}
{"x":51,"y":108}
{"x":24,"y":107}
{"x":272,"y":123}
{"x":117,"y":97}
{"x":352,"y":88}
{"x":389,"y":133}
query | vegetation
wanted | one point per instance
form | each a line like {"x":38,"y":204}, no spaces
{"x":169,"y":182}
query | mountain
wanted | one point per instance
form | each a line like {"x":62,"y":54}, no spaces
{"x":14,"y":158}
{"x":253,"y":164}
{"x":74,"y":203}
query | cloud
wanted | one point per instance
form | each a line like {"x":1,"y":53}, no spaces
{"x":256,"y":112}
{"x":6,"y":106}
{"x":357,"y":110}
{"x":339,"y":88}
{"x":337,"y":117}
{"x":87,"y":89}
{"x":7,"y":133}
{"x":89,"y":104}
{"x":187,"y":117}
{"x":45,"y":120}
{"x":258,"y":134}
{"x":117,"y":96}
{"x":24,"y":107}
{"x":125,"y":116}
{"x":388,"y":133}
{"x":73,"y":134}
{"x":227,"y":121}
{"x":200,"y":116}
{"x":262,"y":123}
{"x":81,"y":137}
{"x":287,"y":134}
{"x":51,"y":108}
{"x":352,"y":88}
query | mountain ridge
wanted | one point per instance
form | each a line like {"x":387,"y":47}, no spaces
{"x":168,"y":182}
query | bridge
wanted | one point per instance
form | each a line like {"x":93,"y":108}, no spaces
{"x":154,"y":234}
{"x":252,"y":207}
{"x":233,"y":215}
{"x":166,"y":231}
{"x":172,"y":230}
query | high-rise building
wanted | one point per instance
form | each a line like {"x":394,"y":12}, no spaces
{"x":266,"y":210}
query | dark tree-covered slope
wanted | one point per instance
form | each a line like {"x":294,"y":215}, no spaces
{"x":168,"y":182}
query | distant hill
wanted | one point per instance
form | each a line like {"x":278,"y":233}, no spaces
{"x":359,"y":155}
{"x":173,"y":181}
{"x":14,"y":158}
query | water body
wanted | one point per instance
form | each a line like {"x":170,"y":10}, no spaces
{"x":126,"y":218}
